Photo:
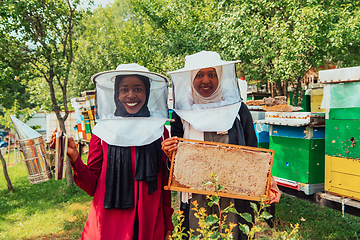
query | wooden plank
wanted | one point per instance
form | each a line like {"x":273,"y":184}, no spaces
{"x":345,"y":166}
{"x":345,"y":181}
{"x":174,"y":185}
{"x":317,"y":167}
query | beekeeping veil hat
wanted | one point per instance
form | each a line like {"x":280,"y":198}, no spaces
{"x":130,"y":130}
{"x":205,"y":114}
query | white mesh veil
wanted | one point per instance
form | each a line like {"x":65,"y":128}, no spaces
{"x":210,"y":117}
{"x":129,"y":131}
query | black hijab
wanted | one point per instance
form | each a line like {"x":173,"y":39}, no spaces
{"x":120,"y":109}
{"x":119,"y":188}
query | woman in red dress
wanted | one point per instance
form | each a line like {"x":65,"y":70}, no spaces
{"x":126,"y":170}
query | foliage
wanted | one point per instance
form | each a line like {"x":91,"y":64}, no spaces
{"x":281,"y":40}
{"x":21,"y":114}
{"x":277,"y":41}
{"x":214,"y":226}
{"x":210,"y":226}
{"x":121,"y":37}
{"x":13,"y":76}
{"x":43,"y":33}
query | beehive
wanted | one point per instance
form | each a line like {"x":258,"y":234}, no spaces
{"x":298,"y":140}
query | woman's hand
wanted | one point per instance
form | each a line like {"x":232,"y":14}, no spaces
{"x":274,"y":192}
{"x":169,"y":145}
{"x":53,"y":139}
{"x":168,"y":235}
{"x":72,"y":151}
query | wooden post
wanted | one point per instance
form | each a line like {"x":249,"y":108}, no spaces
{"x":9,"y":148}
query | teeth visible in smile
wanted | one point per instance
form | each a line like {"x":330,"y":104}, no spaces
{"x":206,"y":88}
{"x":132,"y":104}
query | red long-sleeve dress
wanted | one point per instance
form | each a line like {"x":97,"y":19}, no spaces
{"x":154,"y":211}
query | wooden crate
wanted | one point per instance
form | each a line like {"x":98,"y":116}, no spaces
{"x":204,"y":147}
{"x":342,"y":176}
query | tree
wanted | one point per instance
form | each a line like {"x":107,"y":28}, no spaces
{"x":13,"y":76}
{"x":182,"y":27}
{"x":277,"y":41}
{"x":121,"y":37}
{"x":281,"y":40}
{"x":43,"y":30}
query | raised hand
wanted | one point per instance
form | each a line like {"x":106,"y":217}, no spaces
{"x":72,"y":151}
{"x":53,"y":139}
{"x":169,"y":145}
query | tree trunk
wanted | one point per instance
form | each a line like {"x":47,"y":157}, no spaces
{"x":61,"y":121}
{"x":298,"y":94}
{"x":9,"y":185}
{"x":279,"y":89}
{"x":300,"y":97}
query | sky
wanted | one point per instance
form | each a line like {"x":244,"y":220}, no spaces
{"x":102,"y":2}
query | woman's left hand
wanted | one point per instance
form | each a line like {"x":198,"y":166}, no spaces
{"x":274,"y":192}
{"x":168,"y":235}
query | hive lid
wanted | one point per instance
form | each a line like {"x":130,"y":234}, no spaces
{"x":340,"y":75}
{"x":295,"y":119}
{"x":23,"y":130}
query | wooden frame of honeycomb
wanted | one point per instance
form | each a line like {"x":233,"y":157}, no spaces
{"x":243,"y":172}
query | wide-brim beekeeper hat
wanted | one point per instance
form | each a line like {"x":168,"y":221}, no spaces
{"x":127,"y":69}
{"x":203,"y":59}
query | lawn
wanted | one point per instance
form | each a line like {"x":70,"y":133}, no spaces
{"x":51,"y":210}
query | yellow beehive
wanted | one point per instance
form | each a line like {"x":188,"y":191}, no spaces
{"x":316,"y":99}
{"x":342,"y":176}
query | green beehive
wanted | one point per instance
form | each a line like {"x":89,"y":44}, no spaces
{"x":298,"y":141}
{"x":299,"y":160}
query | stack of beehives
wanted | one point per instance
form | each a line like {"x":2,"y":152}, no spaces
{"x":85,"y":112}
{"x":342,"y":132}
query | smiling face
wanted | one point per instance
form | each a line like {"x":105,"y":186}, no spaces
{"x":206,"y":82}
{"x":132,"y":94}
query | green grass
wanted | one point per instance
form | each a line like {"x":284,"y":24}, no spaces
{"x":51,"y":210}
{"x":38,"y":211}
{"x":316,"y":222}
